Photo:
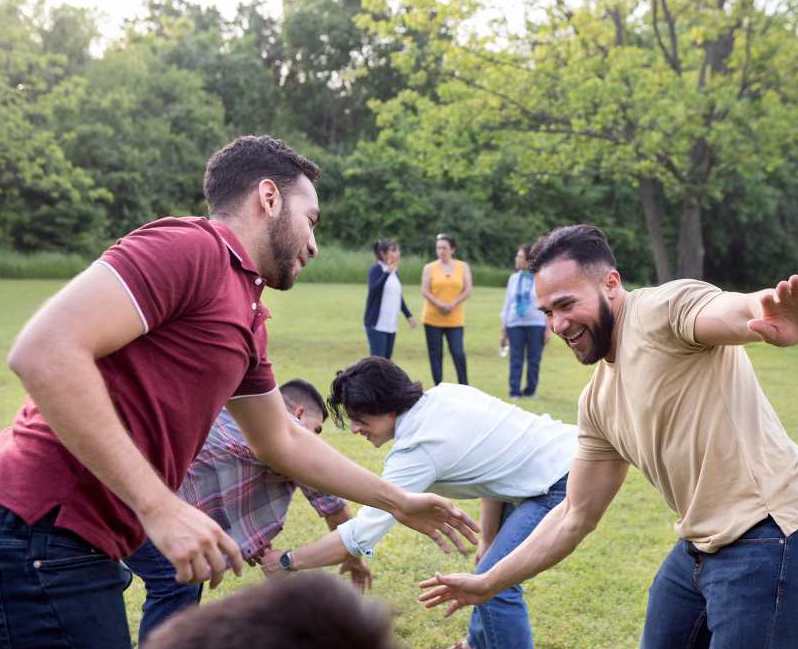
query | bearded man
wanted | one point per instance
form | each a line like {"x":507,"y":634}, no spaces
{"x":673,"y":394}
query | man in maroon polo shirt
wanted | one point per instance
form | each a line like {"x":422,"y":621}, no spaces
{"x":127,"y":366}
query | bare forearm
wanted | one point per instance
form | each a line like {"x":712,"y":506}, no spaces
{"x":305,"y":457}
{"x":490,"y":513}
{"x":557,"y":535}
{"x":724,"y":321}
{"x":329,"y":550}
{"x":69,"y":390}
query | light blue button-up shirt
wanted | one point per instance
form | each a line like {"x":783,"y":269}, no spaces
{"x":459,"y":442}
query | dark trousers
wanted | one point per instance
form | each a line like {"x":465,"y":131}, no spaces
{"x":526,"y":343}
{"x":380,"y":342}
{"x":56,"y":591}
{"x":744,"y":596}
{"x":165,"y":596}
{"x":454,"y":339}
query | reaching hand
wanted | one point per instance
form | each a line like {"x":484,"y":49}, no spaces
{"x":779,"y":322}
{"x":439,"y":519}
{"x":358,"y":571}
{"x":412,"y":322}
{"x":460,"y":589}
{"x":270,"y":562}
{"x":192,"y":541}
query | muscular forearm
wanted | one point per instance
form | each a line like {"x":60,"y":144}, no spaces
{"x":69,"y":390}
{"x":558,"y":534}
{"x":305,"y":457}
{"x":329,"y":550}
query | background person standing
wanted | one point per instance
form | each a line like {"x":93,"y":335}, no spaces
{"x":445,"y":285}
{"x":523,"y":326}
{"x":384,"y":300}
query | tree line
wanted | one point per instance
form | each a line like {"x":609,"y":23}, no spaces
{"x":669,"y":123}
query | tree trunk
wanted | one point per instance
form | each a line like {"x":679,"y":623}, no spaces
{"x":691,"y":243}
{"x":650,"y":191}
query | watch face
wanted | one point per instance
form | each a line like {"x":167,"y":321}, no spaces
{"x":285,"y":561}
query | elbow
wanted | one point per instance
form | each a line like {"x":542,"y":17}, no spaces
{"x":24,"y":361}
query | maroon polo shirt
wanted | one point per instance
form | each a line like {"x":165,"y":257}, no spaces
{"x":198,"y":295}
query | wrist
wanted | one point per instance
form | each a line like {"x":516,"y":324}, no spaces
{"x":288,"y":561}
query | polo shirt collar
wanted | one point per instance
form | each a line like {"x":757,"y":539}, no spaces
{"x":234,"y":246}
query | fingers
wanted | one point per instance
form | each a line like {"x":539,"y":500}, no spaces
{"x":466,"y":525}
{"x":455,"y":538}
{"x":200,"y":570}
{"x":230,"y":548}
{"x":454,"y":606}
{"x":183,"y":571}
{"x":440,"y":540}
{"x":217,"y":565}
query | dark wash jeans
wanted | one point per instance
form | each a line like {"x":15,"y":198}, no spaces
{"x":745,"y":596}
{"x":380,"y":342}
{"x":56,"y":591}
{"x":526,"y":344}
{"x":165,"y":596}
{"x":454,"y":338}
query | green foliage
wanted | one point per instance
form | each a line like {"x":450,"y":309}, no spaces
{"x":40,"y":265}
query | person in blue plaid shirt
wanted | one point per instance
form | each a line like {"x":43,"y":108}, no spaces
{"x":247,"y":498}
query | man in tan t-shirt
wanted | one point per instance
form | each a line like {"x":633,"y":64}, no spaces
{"x":675,"y":395}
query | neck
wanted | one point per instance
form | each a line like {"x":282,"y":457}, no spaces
{"x":239,"y":225}
{"x":617,"y":308}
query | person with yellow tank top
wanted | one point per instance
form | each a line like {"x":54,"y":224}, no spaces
{"x":445,"y":285}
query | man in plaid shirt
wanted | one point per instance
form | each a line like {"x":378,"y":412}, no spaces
{"x":247,"y":498}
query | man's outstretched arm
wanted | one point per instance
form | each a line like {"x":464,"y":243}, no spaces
{"x":55,"y":357}
{"x":591,"y":488}
{"x":293,"y":451}
{"x":770,"y":315}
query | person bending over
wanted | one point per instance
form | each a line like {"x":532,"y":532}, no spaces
{"x":457,"y":441}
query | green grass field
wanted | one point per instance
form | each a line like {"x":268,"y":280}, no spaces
{"x":593,"y":600}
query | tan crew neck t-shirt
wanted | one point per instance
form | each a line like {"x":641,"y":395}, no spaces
{"x":693,"y":419}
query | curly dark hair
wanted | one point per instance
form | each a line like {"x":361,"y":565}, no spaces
{"x":308,"y":611}
{"x":372,"y":386}
{"x":585,"y":244}
{"x":234,"y":169}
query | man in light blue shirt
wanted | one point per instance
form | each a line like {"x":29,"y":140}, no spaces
{"x":456,"y":441}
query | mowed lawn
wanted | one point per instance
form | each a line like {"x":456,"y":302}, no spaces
{"x":595,"y":599}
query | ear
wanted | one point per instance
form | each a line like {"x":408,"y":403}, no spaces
{"x":299,"y":411}
{"x":612,"y":283}
{"x":269,"y":197}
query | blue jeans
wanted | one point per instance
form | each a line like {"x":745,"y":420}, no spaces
{"x":745,"y":596}
{"x":526,"y":343}
{"x":503,"y":622}
{"x":56,"y":591}
{"x":165,"y":596}
{"x":454,"y":339}
{"x":380,"y":342}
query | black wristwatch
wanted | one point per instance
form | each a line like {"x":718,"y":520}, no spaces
{"x":287,"y":561}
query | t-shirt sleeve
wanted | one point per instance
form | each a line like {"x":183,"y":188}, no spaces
{"x":259,"y":378}
{"x":593,"y":444}
{"x":413,"y":470}
{"x":668,"y":312}
{"x":167,"y":269}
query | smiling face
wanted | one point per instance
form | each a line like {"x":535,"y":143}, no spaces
{"x":289,"y":240}
{"x":577,"y":304}
{"x":377,"y":429}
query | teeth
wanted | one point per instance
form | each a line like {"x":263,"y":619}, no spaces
{"x":573,"y":338}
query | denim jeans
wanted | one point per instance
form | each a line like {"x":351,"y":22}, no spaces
{"x":526,"y":343}
{"x":503,"y":622}
{"x":380,"y":342}
{"x":56,"y":591}
{"x":165,"y":596}
{"x":745,"y":596}
{"x":454,"y":339}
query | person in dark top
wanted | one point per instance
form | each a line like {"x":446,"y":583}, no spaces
{"x":384,"y":300}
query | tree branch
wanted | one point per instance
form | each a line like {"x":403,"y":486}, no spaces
{"x":665,"y":52}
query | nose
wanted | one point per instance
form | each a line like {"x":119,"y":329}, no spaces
{"x":559,"y":323}
{"x":313,"y":248}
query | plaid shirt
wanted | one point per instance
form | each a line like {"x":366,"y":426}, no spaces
{"x":246,"y":497}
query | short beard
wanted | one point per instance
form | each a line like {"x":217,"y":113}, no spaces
{"x":282,"y":252}
{"x":601,"y":335}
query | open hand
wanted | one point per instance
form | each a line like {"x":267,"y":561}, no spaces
{"x":460,"y":589}
{"x":192,"y":541}
{"x":779,"y":322}
{"x":358,"y":571}
{"x":439,"y":519}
